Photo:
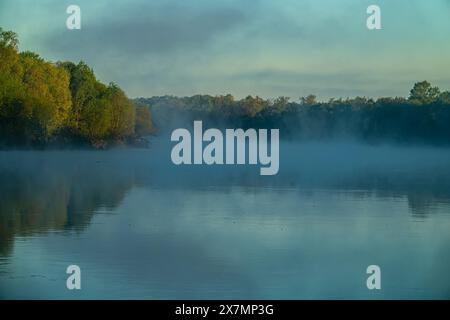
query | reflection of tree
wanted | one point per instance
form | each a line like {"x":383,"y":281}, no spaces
{"x":47,"y":191}
{"x":422,"y":199}
{"x":41,"y":199}
{"x":420,"y":204}
{"x":423,"y":190}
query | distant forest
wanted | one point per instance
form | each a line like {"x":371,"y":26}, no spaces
{"x":62,"y":103}
{"x":422,"y":118}
{"x":44,"y":103}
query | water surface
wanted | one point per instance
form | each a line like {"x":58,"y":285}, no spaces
{"x":141,"y":228}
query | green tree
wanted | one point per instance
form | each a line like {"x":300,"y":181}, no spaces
{"x":444,"y":98}
{"x":34,"y":96}
{"x":85,"y":89}
{"x":123,"y":112}
{"x":309,"y":100}
{"x":143,"y":124}
{"x":423,"y":93}
{"x":223,"y":105}
{"x":252,"y":106}
{"x":99,"y":112}
{"x":280,"y":104}
{"x":39,"y":99}
{"x":10,"y":72}
{"x":9,"y":39}
{"x":48,"y":97}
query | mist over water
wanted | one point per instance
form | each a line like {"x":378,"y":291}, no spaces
{"x":141,"y":227}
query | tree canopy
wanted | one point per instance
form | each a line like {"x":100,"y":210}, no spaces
{"x":423,"y":118}
{"x":424,"y":93}
{"x":41,"y":101}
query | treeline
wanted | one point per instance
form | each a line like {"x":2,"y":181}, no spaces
{"x":63,"y":103}
{"x":423,"y":117}
{"x":43,"y":102}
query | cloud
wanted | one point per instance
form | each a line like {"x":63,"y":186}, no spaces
{"x":145,"y":30}
{"x":242,"y":47}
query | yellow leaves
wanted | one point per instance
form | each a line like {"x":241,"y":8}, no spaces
{"x":37,"y":98}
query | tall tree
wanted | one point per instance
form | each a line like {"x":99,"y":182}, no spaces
{"x":143,"y":120}
{"x":123,"y":112}
{"x":423,"y":93}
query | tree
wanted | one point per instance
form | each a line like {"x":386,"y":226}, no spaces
{"x":444,"y":98}
{"x":280,"y":104}
{"x":10,"y":69}
{"x":34,"y":96}
{"x":143,"y":121}
{"x":309,"y":100}
{"x":9,"y":39}
{"x":222,"y":105}
{"x":122,"y":112}
{"x":39,"y":99}
{"x":252,"y":106}
{"x":423,"y":93}
{"x":85,"y":89}
{"x":48,"y":97}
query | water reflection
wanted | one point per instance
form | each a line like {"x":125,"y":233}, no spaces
{"x":224,"y":226}
{"x":42,"y":192}
{"x":45,"y":191}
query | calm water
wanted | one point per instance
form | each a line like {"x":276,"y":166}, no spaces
{"x":141,"y":228}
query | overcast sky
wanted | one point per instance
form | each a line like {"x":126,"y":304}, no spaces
{"x":260,"y":47}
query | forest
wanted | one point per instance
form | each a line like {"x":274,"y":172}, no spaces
{"x":44,"y":103}
{"x":421,"y":118}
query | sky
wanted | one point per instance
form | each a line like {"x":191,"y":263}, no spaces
{"x":268,"y":48}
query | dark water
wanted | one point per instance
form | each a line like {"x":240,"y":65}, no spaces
{"x":139,"y":227}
